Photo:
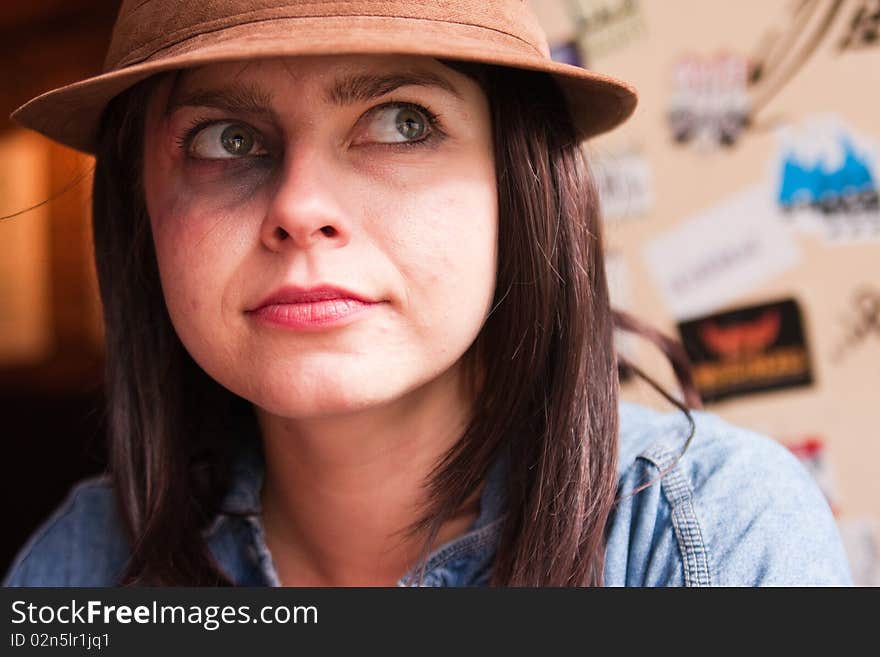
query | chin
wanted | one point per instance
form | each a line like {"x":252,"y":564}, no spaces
{"x":310,"y":399}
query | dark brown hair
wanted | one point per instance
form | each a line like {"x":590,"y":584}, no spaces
{"x":548,"y":392}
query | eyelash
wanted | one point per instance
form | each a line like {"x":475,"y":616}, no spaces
{"x":434,"y":122}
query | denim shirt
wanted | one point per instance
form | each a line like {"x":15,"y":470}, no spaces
{"x":736,"y":510}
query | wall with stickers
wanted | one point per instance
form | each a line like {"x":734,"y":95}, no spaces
{"x":742,"y":217}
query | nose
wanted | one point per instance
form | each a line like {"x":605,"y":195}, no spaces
{"x":307,"y":208}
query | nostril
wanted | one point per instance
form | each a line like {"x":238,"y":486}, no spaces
{"x":282,"y":234}
{"x":329,"y":231}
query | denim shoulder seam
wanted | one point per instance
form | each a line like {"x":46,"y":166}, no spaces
{"x":688,"y":533}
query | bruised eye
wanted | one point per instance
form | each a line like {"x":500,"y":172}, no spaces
{"x":225,"y":140}
{"x":397,"y":123}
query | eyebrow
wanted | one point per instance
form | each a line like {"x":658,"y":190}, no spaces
{"x":242,"y":99}
{"x":347,"y":90}
{"x":361,"y":88}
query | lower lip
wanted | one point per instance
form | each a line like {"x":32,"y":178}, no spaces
{"x":314,"y":315}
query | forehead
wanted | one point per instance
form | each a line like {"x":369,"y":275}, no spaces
{"x":342,"y":79}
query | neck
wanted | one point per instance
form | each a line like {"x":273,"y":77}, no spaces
{"x":341,"y":492}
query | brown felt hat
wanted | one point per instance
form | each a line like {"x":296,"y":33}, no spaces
{"x":160,"y":35}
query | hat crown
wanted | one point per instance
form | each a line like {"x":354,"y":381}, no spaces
{"x":145,"y":28}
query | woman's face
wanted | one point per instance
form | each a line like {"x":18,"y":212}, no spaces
{"x":373,"y":174}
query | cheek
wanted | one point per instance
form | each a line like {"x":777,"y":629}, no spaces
{"x":192,"y":284}
{"x":199,"y":238}
{"x":443,"y":240}
{"x":189,"y":205}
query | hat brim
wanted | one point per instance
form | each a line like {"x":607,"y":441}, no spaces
{"x":71,"y":114}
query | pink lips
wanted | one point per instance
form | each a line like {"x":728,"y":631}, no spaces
{"x":314,"y":308}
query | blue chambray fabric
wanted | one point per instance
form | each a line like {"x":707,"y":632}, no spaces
{"x":737,"y":509}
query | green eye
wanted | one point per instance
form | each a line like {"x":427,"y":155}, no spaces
{"x":225,"y":140}
{"x":411,"y":124}
{"x":398,"y":123}
{"x":237,"y":140}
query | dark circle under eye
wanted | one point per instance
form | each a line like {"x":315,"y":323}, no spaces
{"x":237,"y":140}
{"x":411,"y":124}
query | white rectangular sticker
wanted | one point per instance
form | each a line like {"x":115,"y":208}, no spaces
{"x":719,"y":254}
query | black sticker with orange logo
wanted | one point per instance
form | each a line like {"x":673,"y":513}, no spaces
{"x":748,"y":350}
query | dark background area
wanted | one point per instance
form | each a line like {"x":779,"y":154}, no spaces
{"x":52,"y":410}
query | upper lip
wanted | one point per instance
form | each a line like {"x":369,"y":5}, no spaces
{"x":323,"y":292}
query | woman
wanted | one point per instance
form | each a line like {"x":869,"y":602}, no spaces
{"x":358,"y":329}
